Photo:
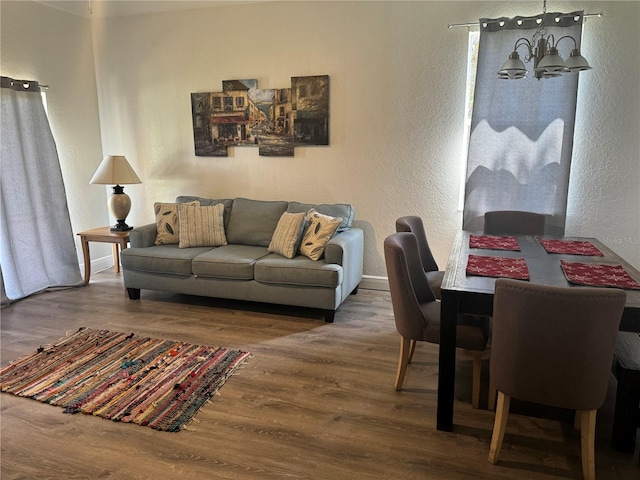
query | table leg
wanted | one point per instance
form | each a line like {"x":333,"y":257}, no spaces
{"x":116,"y":258}
{"x":87,"y":258}
{"x":447,"y":360}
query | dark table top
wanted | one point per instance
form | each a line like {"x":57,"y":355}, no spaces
{"x":544,"y":268}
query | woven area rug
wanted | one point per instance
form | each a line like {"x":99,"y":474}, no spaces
{"x":123,"y":377}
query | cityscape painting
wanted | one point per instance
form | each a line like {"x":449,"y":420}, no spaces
{"x":274,"y":120}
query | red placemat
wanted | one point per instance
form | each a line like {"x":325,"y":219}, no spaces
{"x":571,"y":247}
{"x":493,"y":242}
{"x":497,"y":267}
{"x":598,"y":275}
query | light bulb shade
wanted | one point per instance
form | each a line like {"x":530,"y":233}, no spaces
{"x":513,"y":68}
{"x":576,"y":62}
{"x":552,"y":62}
{"x":115,"y":170}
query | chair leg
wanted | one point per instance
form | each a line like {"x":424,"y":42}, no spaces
{"x":577,"y":420}
{"x":491,"y":403}
{"x":587,"y":439}
{"x":475,"y":383}
{"x":413,"y":349}
{"x":499,"y":427}
{"x":405,"y":350}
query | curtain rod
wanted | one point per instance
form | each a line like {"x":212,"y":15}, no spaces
{"x":455,"y":25}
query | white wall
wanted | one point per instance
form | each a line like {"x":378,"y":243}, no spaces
{"x":397,"y":99}
{"x":55,"y":48}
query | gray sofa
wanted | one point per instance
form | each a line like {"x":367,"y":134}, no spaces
{"x":244,"y":269}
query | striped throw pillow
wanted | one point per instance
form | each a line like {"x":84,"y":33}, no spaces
{"x":287,"y":234}
{"x":201,"y":226}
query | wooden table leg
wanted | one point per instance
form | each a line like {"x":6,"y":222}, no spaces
{"x":116,"y":258}
{"x":87,"y":258}
{"x":447,"y":360}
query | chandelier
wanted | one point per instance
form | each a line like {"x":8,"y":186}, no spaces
{"x":543,"y":50}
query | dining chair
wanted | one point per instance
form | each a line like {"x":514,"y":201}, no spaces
{"x":417,"y":311}
{"x":414,"y":224}
{"x":512,"y":222}
{"x":553,"y":346}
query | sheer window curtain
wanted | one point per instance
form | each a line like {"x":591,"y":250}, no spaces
{"x":37,"y":249}
{"x":521,"y":130}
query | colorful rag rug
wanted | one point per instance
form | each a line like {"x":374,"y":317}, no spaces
{"x":494,"y":242}
{"x":570,"y":247}
{"x":123,"y":377}
{"x":497,"y":267}
{"x":598,"y":275}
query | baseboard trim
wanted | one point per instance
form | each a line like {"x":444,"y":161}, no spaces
{"x":370,"y":282}
{"x":100,"y":264}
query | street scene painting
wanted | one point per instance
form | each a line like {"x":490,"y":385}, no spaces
{"x":274,"y":120}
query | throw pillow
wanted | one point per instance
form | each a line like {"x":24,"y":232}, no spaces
{"x":286,"y":237}
{"x":167,"y":224}
{"x":320,"y":230}
{"x":201,"y":226}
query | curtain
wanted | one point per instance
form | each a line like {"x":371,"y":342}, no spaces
{"x":521,"y":130}
{"x":37,"y":249}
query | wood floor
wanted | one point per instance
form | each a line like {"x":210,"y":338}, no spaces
{"x":316,"y":401}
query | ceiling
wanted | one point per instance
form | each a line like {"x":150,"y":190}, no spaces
{"x":95,"y":9}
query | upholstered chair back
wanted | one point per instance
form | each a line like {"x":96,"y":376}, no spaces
{"x":511,"y":222}
{"x":554,"y":345}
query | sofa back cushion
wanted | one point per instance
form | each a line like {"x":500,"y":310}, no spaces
{"x":344,"y":211}
{"x":252,"y":222}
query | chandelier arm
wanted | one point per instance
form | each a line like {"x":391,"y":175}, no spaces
{"x":575,"y":43}
{"x":523,"y":41}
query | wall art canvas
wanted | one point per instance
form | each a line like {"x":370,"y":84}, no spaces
{"x":274,"y":120}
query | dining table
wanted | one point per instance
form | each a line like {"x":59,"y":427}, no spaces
{"x":477,"y":260}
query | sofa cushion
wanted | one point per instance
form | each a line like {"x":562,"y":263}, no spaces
{"x":320,"y":230}
{"x":344,"y":211}
{"x":231,"y":262}
{"x":227,"y":202}
{"x":167,"y":222}
{"x":161,"y":258}
{"x":201,"y":226}
{"x":299,"y":270}
{"x":252,"y":222}
{"x":287,"y":236}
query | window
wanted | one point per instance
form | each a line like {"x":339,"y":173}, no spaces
{"x":240,"y":102}
{"x":472,"y":63}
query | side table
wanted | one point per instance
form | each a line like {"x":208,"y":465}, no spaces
{"x":104,"y":235}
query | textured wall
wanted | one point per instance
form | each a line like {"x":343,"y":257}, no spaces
{"x":397,"y":104}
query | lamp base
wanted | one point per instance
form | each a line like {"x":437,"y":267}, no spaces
{"x":121,"y":226}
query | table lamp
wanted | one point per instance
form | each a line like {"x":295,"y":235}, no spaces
{"x":115,"y":170}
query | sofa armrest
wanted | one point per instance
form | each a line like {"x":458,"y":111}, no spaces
{"x":143,"y":236}
{"x":347,"y":249}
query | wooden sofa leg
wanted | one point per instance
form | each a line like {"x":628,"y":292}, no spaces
{"x":134,"y":293}
{"x":329,"y":315}
{"x":355,"y":290}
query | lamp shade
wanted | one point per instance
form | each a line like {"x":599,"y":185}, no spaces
{"x":576,"y":62}
{"x":513,"y":68}
{"x":552,"y":62}
{"x":115,"y":170}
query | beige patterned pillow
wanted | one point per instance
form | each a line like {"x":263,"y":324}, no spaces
{"x":167,"y":224}
{"x":320,"y":230}
{"x":287,"y":234}
{"x":201,"y":226}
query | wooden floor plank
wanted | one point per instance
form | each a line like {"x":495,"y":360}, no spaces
{"x":315,"y":401}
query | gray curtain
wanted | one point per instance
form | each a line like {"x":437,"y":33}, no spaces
{"x":521,"y":130}
{"x":37,"y":250}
